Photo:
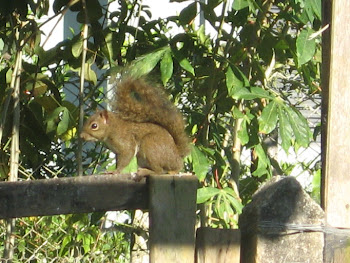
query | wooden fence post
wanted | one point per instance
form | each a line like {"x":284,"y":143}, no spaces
{"x":172,"y":210}
{"x":214,"y":245}
{"x":336,"y":121}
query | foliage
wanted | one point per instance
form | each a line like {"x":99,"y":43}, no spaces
{"x":235,"y":85}
{"x":60,"y":238}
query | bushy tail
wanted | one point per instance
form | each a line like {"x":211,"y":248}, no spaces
{"x":138,"y":101}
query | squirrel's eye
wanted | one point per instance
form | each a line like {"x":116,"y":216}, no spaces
{"x":94,"y":126}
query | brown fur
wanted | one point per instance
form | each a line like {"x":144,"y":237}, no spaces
{"x":144,"y":123}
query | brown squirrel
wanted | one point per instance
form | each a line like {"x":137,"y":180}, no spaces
{"x":143,"y":122}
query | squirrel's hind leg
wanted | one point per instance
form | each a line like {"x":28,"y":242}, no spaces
{"x":158,"y":153}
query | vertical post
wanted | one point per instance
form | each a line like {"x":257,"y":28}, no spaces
{"x":172,"y":218}
{"x":218,"y":245}
{"x":336,"y":96}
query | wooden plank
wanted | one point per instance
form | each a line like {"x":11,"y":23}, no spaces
{"x":72,"y":195}
{"x":335,"y":116}
{"x":337,"y":165}
{"x":218,"y":245}
{"x":172,"y":218}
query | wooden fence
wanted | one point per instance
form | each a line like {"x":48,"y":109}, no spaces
{"x":171,"y":201}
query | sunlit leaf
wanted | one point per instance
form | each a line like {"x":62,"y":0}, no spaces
{"x":232,"y":82}
{"x":166,"y":67}
{"x":254,"y":93}
{"x":131,"y":167}
{"x":235,"y":202}
{"x":90,"y":75}
{"x":305,"y":47}
{"x":63,"y":125}
{"x":243,"y":134}
{"x":65,"y":242}
{"x":268,"y":118}
{"x":77,"y":47}
{"x":186,"y":65}
{"x":69,"y":134}
{"x":146,"y":64}
{"x":205,"y":193}
{"x":316,"y":7}
{"x":316,"y":186}
{"x":9,"y":73}
{"x":300,"y":127}
{"x":240,"y":4}
{"x":285,"y":129}
{"x":200,"y":163}
{"x":263,"y":162}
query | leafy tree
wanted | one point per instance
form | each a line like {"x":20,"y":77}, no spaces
{"x":234,"y":85}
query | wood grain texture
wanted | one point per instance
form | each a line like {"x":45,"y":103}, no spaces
{"x":336,"y":161}
{"x":214,"y":245}
{"x":172,"y":218}
{"x":81,"y":194}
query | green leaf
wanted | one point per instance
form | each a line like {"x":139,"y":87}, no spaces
{"x":243,"y":93}
{"x":9,"y":75}
{"x":254,"y":93}
{"x":205,"y":193}
{"x":261,"y":93}
{"x":186,"y":65}
{"x":232,"y":82}
{"x":300,"y":127}
{"x":131,"y":167}
{"x":316,"y":186}
{"x":145,"y":64}
{"x":77,"y":47}
{"x":47,"y":102}
{"x":305,"y":48}
{"x":237,"y":114}
{"x":260,"y":152}
{"x":188,"y":14}
{"x":200,"y":163}
{"x":1,"y":45}
{"x":63,"y":125}
{"x":261,"y":171}
{"x":223,"y":207}
{"x":240,"y":4}
{"x":47,"y":56}
{"x":268,"y":118}
{"x":201,"y":34}
{"x":65,"y":242}
{"x":263,"y":162}
{"x":234,"y":200}
{"x":90,"y":75}
{"x":243,"y":134}
{"x":316,"y":7}
{"x":285,"y":129}
{"x":166,"y":67}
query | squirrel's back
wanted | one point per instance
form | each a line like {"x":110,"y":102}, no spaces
{"x":138,"y":101}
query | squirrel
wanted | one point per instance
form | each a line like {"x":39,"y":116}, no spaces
{"x":143,"y":122}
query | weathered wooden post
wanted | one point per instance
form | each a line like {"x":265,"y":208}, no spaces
{"x":335,"y":126}
{"x":172,"y":210}
{"x":214,"y":245}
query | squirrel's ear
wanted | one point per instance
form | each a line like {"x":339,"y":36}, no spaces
{"x":104,"y":116}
